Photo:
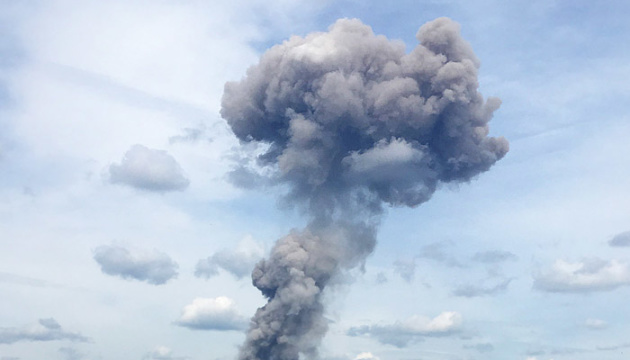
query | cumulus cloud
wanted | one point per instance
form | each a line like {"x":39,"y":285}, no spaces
{"x":212,"y":314}
{"x":46,"y":330}
{"x":238,"y":262}
{"x":471,"y":290}
{"x":493,"y":256}
{"x":162,"y":353}
{"x":148,"y":169}
{"x":622,"y":239}
{"x":154,"y":268}
{"x":583,"y":276}
{"x":401,"y":333}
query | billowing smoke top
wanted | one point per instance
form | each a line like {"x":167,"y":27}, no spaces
{"x":346,"y":111}
{"x":352,"y":121}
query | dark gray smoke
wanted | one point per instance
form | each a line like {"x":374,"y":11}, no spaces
{"x":352,"y":122}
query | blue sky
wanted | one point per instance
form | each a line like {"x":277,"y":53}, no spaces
{"x":122,"y":238}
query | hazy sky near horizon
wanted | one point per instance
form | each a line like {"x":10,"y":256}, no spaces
{"x":122,"y":238}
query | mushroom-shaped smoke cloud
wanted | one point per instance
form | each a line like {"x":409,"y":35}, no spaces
{"x":352,"y":122}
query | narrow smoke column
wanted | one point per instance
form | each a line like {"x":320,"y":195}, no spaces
{"x":352,"y":123}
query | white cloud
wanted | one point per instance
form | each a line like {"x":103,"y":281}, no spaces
{"x":366,"y":356}
{"x":162,"y":353}
{"x":583,"y":276}
{"x":238,"y":262}
{"x":212,"y":314}
{"x":414,"y":328}
{"x":443,"y":323}
{"x":148,"y":169}
{"x":384,"y":155}
{"x":154,"y":268}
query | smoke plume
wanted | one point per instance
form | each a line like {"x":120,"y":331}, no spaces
{"x":352,"y":123}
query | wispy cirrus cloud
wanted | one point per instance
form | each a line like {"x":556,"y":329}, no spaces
{"x":16,"y":279}
{"x":471,"y":290}
{"x":481,"y":347}
{"x":493,"y":256}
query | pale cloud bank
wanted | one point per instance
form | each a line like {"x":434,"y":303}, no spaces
{"x":212,"y":314}
{"x":401,"y":333}
{"x":583,"y":276}
{"x":46,"y":330}
{"x":155,"y":268}
{"x":148,"y":169}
